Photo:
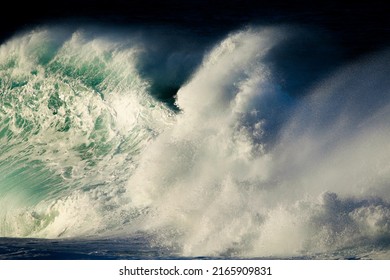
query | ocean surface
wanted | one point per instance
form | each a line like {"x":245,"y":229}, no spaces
{"x":158,"y":143}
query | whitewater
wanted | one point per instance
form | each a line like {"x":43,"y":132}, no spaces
{"x":199,"y":151}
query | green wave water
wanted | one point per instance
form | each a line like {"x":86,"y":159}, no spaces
{"x":74,"y":116}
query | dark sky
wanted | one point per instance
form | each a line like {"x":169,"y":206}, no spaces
{"x":360,"y":27}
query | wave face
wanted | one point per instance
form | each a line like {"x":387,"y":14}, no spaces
{"x":75,"y":116}
{"x":243,"y":167}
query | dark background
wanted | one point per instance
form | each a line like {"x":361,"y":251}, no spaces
{"x":360,"y":27}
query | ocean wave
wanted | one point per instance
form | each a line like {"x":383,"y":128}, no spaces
{"x":251,"y":160}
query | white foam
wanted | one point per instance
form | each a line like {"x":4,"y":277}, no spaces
{"x":225,"y":187}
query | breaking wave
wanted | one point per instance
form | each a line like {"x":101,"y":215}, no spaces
{"x":240,"y":165}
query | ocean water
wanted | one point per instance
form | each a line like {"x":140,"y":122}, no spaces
{"x":152,"y":144}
